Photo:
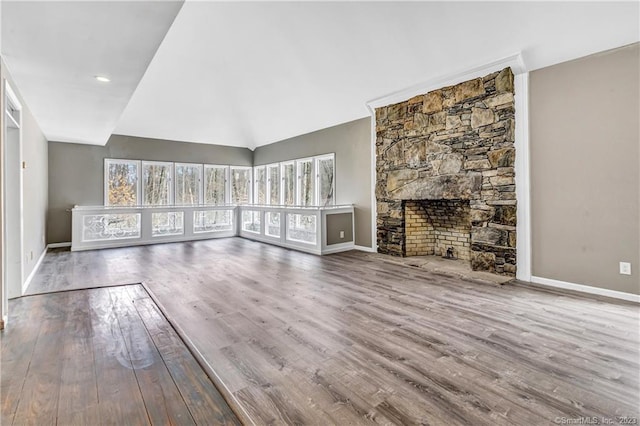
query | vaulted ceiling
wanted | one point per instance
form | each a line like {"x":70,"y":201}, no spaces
{"x":252,"y":73}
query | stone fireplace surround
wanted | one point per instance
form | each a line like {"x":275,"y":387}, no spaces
{"x":451,"y":145}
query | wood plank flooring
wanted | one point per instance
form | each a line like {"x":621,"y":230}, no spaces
{"x":354,"y":339}
{"x":101,"y":356}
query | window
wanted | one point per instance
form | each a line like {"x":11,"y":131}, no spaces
{"x":240,"y":185}
{"x":111,"y":227}
{"x":288,"y":184}
{"x":302,"y":182}
{"x":302,"y":228}
{"x":251,"y":221}
{"x":156,"y":183}
{"x":273,"y":184}
{"x":305,"y":182}
{"x":167,"y":223}
{"x":260,"y":187}
{"x":325,"y":180}
{"x":212,"y":220}
{"x":215,"y":185}
{"x":122,"y":184}
{"x":272,"y":224}
{"x":188,"y":183}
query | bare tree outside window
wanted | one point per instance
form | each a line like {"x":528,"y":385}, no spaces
{"x":156,"y":184}
{"x":289,"y":184}
{"x":260,"y":188}
{"x":122,"y":183}
{"x":240,"y":185}
{"x":305,"y":178}
{"x":215,"y":185}
{"x":274,"y":184}
{"x":188,"y":184}
{"x":326,"y":182}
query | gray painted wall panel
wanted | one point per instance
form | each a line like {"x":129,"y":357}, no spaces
{"x":76,"y":171}
{"x":585,"y":179}
{"x":335,"y":224}
{"x":351,"y":142}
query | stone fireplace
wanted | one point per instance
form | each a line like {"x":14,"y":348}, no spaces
{"x":445,"y":174}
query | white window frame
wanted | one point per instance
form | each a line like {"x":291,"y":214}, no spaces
{"x":255,"y":183}
{"x":228,"y":170}
{"x":271,"y":185}
{"x":282,"y":183}
{"x":227,"y":182}
{"x":299,"y":161}
{"x":316,"y":189}
{"x":200,"y":183}
{"x":231,"y":169}
{"x":109,"y":161}
{"x":171,"y":177}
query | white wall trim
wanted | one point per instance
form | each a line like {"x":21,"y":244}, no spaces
{"x":523,"y":178}
{"x":374,"y":200}
{"x":11,"y":97}
{"x":58,"y":245}
{"x":586,"y":289}
{"x":26,"y":283}
{"x":364,"y":248}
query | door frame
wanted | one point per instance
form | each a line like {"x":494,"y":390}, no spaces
{"x":10,"y":99}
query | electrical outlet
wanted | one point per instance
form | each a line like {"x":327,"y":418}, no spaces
{"x":625,"y":268}
{"x":341,"y":234}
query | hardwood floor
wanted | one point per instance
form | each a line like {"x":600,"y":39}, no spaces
{"x":351,"y":338}
{"x":101,"y":356}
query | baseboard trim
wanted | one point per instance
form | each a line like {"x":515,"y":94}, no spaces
{"x":338,"y":248}
{"x":364,"y":248}
{"x":26,"y":283}
{"x":58,"y":245}
{"x":586,"y":289}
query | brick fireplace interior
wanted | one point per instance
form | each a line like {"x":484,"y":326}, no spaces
{"x":445,"y":174}
{"x":434,"y":226}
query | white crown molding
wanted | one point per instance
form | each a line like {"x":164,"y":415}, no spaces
{"x":586,"y":289}
{"x":514,"y":61}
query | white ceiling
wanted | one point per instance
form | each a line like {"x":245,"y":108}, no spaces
{"x":252,"y":73}
{"x":55,"y":49}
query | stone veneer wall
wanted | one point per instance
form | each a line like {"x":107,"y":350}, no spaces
{"x":455,"y":143}
{"x":433,"y":226}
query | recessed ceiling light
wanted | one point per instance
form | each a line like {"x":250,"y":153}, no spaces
{"x":102,"y":79}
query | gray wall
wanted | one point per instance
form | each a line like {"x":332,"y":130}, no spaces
{"x":585,"y":179}
{"x":76,"y":171}
{"x":351,"y":142}
{"x":35,"y":182}
{"x":336,"y":223}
